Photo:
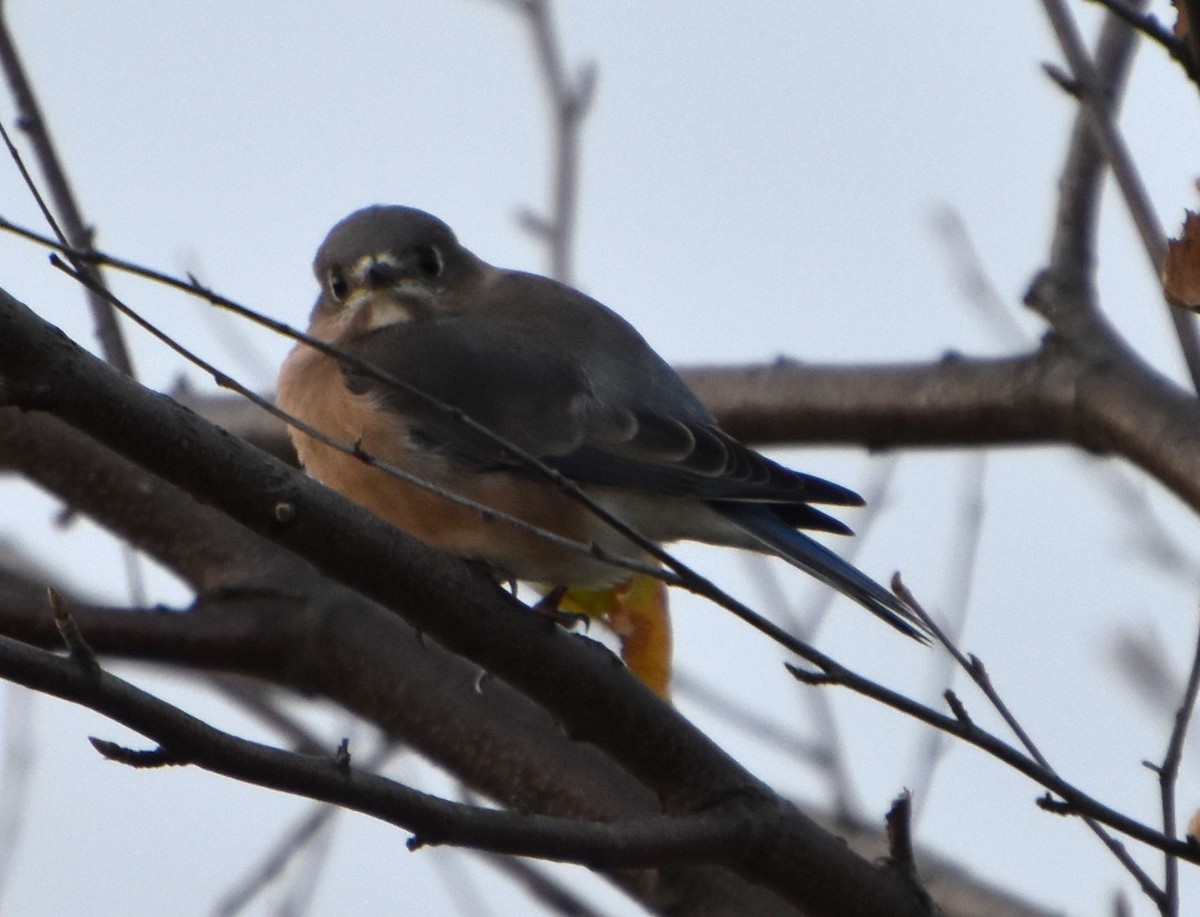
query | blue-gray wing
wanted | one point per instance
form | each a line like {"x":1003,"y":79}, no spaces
{"x":567,"y":380}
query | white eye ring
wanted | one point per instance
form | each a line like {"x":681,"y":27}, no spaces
{"x":338,"y":287}
{"x":430,"y":262}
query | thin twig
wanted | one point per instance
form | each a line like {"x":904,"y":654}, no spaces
{"x":16,"y":776}
{"x":138,"y":758}
{"x":1168,"y":776}
{"x":73,"y":234}
{"x":899,"y":834}
{"x":974,"y":667}
{"x":975,"y":287}
{"x":569,"y":103}
{"x":285,"y":849}
{"x":74,"y":231}
{"x":80,"y":652}
{"x":1148,"y":25}
{"x":961,"y":566}
{"x":706,"y":835}
{"x":963,"y":727}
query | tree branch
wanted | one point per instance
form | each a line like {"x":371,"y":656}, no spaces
{"x":573,"y":678}
{"x":1097,"y":86}
{"x":76,"y":231}
{"x":718,"y":833}
{"x":1168,"y":774}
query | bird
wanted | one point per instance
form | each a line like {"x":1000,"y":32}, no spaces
{"x":561,"y":377}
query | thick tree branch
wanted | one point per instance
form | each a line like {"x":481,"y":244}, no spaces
{"x":370,"y":661}
{"x":201,"y":545}
{"x":1096,"y":142}
{"x":725,"y":832}
{"x":573,"y":678}
{"x":1106,"y":403}
{"x":335,"y":644}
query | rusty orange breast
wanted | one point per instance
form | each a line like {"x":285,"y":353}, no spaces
{"x":311,"y":388}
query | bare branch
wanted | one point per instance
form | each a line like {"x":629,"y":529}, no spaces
{"x":184,"y":738}
{"x":569,"y":102}
{"x":961,"y":567}
{"x":899,"y":833}
{"x":18,"y":772}
{"x":575,"y":680}
{"x":1097,"y":92}
{"x":80,"y":652}
{"x":974,"y":667}
{"x":1192,"y":8}
{"x":200,"y":545}
{"x":1168,"y":775}
{"x":74,"y":229}
{"x":300,"y":835}
{"x":539,"y":885}
{"x":1148,"y":25}
{"x":975,"y":288}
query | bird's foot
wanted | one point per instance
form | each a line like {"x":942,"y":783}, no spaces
{"x":548,"y":607}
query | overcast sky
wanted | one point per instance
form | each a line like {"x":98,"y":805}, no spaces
{"x":757,"y":180}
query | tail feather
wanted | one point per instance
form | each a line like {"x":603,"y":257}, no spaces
{"x":818,"y":561}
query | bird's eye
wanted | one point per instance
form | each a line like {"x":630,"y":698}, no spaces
{"x":429,"y":261}
{"x":338,"y":288}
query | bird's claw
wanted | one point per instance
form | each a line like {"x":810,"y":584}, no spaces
{"x":547,"y":607}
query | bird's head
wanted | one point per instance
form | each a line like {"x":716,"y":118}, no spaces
{"x":382,"y":266}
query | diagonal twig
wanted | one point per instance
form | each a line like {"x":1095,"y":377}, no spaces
{"x":961,"y":569}
{"x":1148,"y":25}
{"x":975,"y":668}
{"x":243,"y":892}
{"x":1168,"y":775}
{"x":74,"y":231}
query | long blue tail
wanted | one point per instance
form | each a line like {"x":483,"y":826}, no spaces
{"x":818,"y":561}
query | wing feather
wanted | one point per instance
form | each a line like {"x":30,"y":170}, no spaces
{"x":598,"y":404}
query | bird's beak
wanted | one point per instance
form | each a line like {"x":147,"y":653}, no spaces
{"x":388,"y":291}
{"x":379,"y":272}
